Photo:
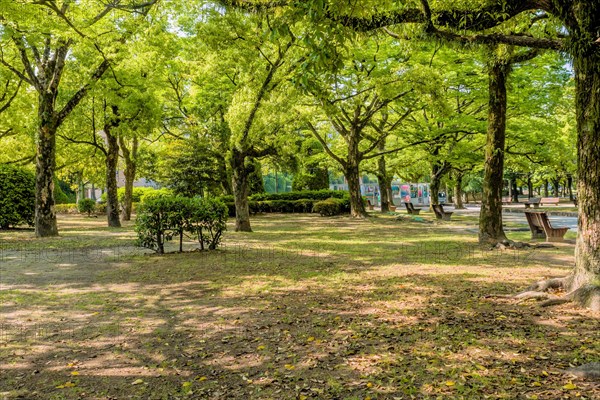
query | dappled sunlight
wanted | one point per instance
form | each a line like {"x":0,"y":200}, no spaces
{"x":330,"y":311}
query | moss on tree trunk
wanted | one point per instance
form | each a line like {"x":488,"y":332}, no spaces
{"x":490,"y":217}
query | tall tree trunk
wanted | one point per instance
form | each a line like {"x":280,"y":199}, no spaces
{"x":555,"y":186}
{"x":529,"y":187}
{"x":434,"y":187}
{"x":241,"y":190}
{"x":130,"y":157}
{"x":514,"y":190}
{"x":546,"y":189}
{"x":438,"y":169}
{"x":587,"y":78}
{"x":458,"y":192}
{"x":357,"y":207}
{"x":384,"y":180}
{"x":570,"y":186}
{"x":352,"y":173}
{"x":112,"y":158}
{"x":449,"y":194}
{"x":80,"y":187}
{"x":45,"y":216}
{"x":490,"y":217}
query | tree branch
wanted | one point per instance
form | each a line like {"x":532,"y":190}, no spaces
{"x":80,"y":94}
{"x":324,"y":144}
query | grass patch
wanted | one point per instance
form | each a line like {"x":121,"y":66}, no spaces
{"x":304,"y":307}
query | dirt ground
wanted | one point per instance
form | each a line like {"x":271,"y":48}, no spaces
{"x":303,"y":308}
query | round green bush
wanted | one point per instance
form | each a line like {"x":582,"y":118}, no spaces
{"x":86,"y":206}
{"x":329,"y":207}
{"x":17,"y":196}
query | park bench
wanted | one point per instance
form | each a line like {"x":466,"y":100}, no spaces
{"x":549,"y":200}
{"x":370,"y":205}
{"x":541,"y":228}
{"x":410,"y":208}
{"x":438,"y":209}
{"x":532,"y":202}
{"x":506,"y":200}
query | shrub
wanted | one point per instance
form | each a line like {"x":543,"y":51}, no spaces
{"x":329,"y":207}
{"x":17,"y":196}
{"x":301,"y":195}
{"x":207,"y":220}
{"x":156,"y":193}
{"x":68,"y":208}
{"x":136,"y":194}
{"x":86,"y":206}
{"x":100,"y":208}
{"x":303,"y":205}
{"x":60,"y":197}
{"x":162,"y":217}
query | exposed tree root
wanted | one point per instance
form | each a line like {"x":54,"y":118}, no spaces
{"x":553,"y":283}
{"x":586,"y":371}
{"x":535,"y":295}
{"x":587,"y":296}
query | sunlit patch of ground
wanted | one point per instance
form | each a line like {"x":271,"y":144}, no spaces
{"x":304,"y":307}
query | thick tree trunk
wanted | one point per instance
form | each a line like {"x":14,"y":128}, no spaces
{"x":112,"y":159}
{"x":458,"y":192}
{"x":587,"y":77}
{"x":357,"y":207}
{"x":241,"y":190}
{"x":45,"y":216}
{"x":385,"y":182}
{"x":352,"y":173}
{"x":555,"y":186}
{"x":490,"y":217}
{"x":130,"y":157}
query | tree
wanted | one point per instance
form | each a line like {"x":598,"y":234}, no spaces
{"x":364,"y":101}
{"x":18,"y":196}
{"x":581,"y":19}
{"x":49,"y":42}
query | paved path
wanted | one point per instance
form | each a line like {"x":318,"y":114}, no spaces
{"x":556,"y":221}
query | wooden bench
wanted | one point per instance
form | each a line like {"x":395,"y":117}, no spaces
{"x":541,"y":228}
{"x":410,"y":208}
{"x":549,"y":200}
{"x":506,"y":200}
{"x":369,"y":205}
{"x":532,"y":202}
{"x":438,"y":209}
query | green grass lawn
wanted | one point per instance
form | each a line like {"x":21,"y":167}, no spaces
{"x":303,"y":308}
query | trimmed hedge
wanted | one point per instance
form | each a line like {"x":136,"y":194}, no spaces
{"x":302,"y":201}
{"x":329,"y":207}
{"x":300,"y":195}
{"x":17,"y":196}
{"x":286,"y":206}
